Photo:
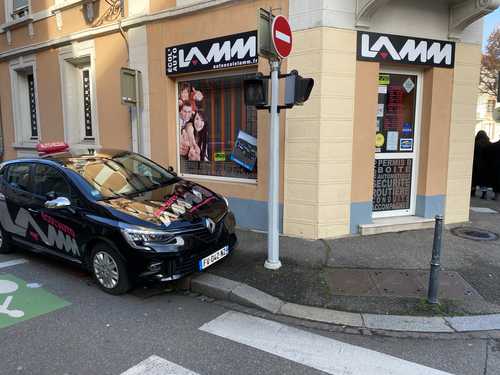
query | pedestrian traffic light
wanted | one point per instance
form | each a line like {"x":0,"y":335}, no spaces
{"x":297,"y":89}
{"x":256,"y":91}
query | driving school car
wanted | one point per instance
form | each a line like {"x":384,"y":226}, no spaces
{"x":117,"y":213}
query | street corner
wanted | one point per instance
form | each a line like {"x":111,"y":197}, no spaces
{"x":21,"y":300}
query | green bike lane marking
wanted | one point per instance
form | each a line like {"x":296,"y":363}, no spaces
{"x":19,"y":303}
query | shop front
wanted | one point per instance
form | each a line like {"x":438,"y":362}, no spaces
{"x":201,"y":125}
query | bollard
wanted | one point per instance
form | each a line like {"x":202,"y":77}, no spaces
{"x":437,"y":246}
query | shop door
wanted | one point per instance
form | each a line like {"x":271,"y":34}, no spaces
{"x":396,"y":144}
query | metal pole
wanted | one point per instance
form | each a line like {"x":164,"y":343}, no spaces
{"x":273,"y":246}
{"x":437,"y":246}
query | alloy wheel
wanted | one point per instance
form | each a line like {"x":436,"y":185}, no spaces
{"x":106,"y":270}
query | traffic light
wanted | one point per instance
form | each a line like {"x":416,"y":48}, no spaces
{"x":297,"y":89}
{"x":256,"y":91}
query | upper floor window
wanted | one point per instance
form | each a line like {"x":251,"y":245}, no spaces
{"x":20,"y":8}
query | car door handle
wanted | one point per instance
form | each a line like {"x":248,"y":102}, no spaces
{"x":33,"y":211}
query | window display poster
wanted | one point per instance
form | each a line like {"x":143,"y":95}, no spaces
{"x":245,"y":151}
{"x":211,"y":117}
{"x":396,"y":111}
{"x":392,"y":184}
{"x":392,"y":141}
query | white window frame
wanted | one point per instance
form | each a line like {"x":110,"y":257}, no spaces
{"x":71,"y":60}
{"x":20,"y":102}
{"x":9,"y":10}
{"x":187,"y":78}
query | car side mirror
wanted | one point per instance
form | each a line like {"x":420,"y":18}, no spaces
{"x":58,"y":203}
{"x":171,"y":170}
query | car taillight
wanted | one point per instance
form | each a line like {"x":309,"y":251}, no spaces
{"x":51,"y":147}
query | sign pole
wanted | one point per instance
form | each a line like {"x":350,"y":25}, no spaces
{"x":273,"y":246}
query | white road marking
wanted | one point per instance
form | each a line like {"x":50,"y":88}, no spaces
{"x":483,"y":210}
{"x":155,"y":365}
{"x":318,"y":352}
{"x":284,"y":37}
{"x":14,"y":262}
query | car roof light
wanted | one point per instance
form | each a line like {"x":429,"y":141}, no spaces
{"x":51,"y":147}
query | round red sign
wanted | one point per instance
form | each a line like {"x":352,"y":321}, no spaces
{"x":282,"y":36}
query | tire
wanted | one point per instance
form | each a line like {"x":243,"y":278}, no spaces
{"x":109,"y":270}
{"x":5,"y":247}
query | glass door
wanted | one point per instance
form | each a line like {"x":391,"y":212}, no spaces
{"x":396,"y":141}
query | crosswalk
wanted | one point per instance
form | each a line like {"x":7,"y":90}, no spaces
{"x":302,"y":347}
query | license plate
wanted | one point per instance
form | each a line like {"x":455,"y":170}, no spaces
{"x":212,"y":258}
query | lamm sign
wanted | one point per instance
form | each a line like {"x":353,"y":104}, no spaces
{"x":218,"y":53}
{"x":405,"y":50}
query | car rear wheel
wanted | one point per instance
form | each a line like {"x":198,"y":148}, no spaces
{"x":109,"y":270}
{"x":5,"y":247}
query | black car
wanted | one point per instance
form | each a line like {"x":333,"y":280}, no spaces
{"x":117,"y":213}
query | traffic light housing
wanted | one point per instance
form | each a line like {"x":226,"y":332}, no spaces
{"x":256,"y":91}
{"x":297,"y":89}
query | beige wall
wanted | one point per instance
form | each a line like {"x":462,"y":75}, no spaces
{"x":363,"y":149}
{"x":461,"y":144}
{"x":435,"y":131}
{"x":6,"y":103}
{"x":49,"y":96}
{"x":114,"y":120}
{"x":46,"y":29}
{"x":319,"y":135}
{"x":163,"y":100}
{"x":157,"y":5}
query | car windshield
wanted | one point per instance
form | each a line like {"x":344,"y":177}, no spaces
{"x":122,"y":175}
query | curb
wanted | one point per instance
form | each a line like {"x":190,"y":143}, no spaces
{"x":225,"y":289}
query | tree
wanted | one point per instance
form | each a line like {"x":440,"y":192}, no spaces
{"x":490,"y":65}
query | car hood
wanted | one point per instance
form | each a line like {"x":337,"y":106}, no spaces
{"x":178,"y":205}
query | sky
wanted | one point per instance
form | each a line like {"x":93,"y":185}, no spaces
{"x":491,"y":21}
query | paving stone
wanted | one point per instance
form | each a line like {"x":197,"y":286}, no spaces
{"x":451,"y":285}
{"x":322,"y":315}
{"x":213,"y":286}
{"x":350,"y":282}
{"x":402,"y":283}
{"x":249,"y":296}
{"x":405,"y":323}
{"x":475,"y":323}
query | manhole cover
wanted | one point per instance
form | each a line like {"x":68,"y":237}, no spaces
{"x":474,"y":234}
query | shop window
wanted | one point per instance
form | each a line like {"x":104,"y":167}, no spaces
{"x":217,"y":132}
{"x":25,"y":102}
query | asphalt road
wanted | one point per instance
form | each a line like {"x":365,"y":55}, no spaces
{"x":90,"y":332}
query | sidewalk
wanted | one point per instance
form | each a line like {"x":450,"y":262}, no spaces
{"x":382,"y":274}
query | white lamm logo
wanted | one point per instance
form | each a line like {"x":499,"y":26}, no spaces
{"x":23,"y":220}
{"x":424,"y":51}
{"x":219,"y":52}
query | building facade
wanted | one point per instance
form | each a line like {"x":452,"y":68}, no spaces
{"x":385,"y":140}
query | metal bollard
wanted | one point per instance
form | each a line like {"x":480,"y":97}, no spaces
{"x":437,"y":247}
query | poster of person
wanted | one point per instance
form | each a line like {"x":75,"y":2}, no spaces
{"x":215,"y":125}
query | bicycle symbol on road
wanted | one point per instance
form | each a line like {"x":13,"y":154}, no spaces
{"x":9,"y":287}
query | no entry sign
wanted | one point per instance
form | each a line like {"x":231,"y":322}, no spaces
{"x":282,"y":36}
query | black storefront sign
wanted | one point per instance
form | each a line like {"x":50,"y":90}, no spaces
{"x":213,"y":54}
{"x":392,"y":184}
{"x":387,"y":48}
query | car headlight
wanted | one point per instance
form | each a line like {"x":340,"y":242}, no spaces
{"x":145,"y":238}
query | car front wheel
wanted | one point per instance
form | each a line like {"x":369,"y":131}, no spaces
{"x":109,"y":270}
